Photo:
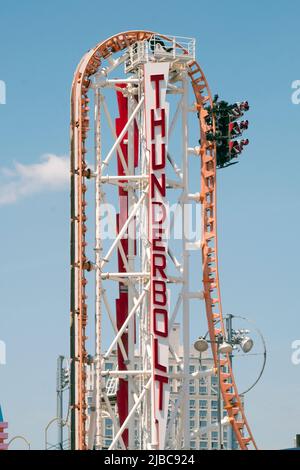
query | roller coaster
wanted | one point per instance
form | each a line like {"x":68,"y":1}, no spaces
{"x":140,"y":281}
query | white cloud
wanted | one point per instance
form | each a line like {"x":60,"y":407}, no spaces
{"x":50,"y":174}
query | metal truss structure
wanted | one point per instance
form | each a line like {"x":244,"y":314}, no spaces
{"x":142,"y":273}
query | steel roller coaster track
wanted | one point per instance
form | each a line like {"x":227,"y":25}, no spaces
{"x":80,"y":264}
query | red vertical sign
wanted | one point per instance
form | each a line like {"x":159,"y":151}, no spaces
{"x":156,"y":122}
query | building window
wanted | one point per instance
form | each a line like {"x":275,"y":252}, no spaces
{"x":202,"y":414}
{"x":192,"y":369}
{"x":192,"y":389}
{"x":192,"y":413}
{"x":202,"y":404}
{"x":109,"y":366}
{"x":193,"y":445}
{"x":214,"y":445}
{"x":214,"y":435}
{"x":202,"y":390}
{"x":203,"y":424}
{"x":214,"y":415}
{"x":203,"y":445}
{"x":192,"y":424}
{"x":108,"y":423}
{"x":192,"y":403}
{"x":214,"y":404}
{"x":108,"y":432}
{"x":214,"y":381}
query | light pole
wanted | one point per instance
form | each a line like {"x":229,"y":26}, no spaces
{"x":235,"y":339}
{"x":62,"y":383}
{"x":240,"y":338}
{"x":223,"y":347}
{"x":59,"y":391}
{"x":220,"y":434}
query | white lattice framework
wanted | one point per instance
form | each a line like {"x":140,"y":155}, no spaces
{"x":138,"y":55}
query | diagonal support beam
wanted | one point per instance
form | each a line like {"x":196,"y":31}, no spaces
{"x":130,"y":415}
{"x":119,"y":139}
{"x":113,"y":133}
{"x":123,"y":230}
{"x":120,"y":342}
{"x":124,"y":326}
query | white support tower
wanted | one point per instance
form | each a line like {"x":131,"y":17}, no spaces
{"x":156,"y":81}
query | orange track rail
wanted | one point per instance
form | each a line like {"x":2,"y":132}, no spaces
{"x":79,"y":264}
{"x":211,"y":284}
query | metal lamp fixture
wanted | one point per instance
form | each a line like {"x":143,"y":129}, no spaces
{"x":201,"y":344}
{"x":225,"y":348}
{"x":246,"y":344}
{"x":242,"y":339}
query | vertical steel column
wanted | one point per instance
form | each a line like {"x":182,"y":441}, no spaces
{"x":185,"y":288}
{"x":59,"y":401}
{"x":220,"y":407}
{"x":131,"y":247}
{"x":98,"y":280}
{"x":72,"y":325}
{"x":145,"y":267}
{"x":73,"y":277}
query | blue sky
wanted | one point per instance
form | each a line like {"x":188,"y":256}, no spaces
{"x":247,"y":51}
